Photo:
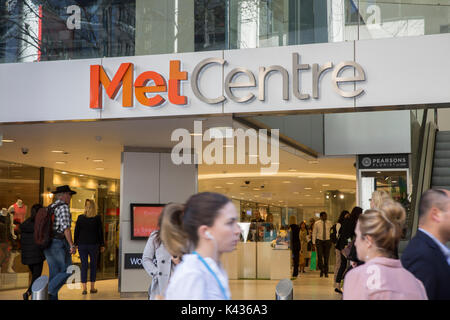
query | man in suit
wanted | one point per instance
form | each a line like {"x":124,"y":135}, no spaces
{"x":321,"y":241}
{"x":426,"y":255}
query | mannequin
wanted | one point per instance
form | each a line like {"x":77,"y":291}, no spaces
{"x":6,"y":232}
{"x":14,"y":240}
{"x":20,"y":210}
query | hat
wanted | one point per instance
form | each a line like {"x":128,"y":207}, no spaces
{"x":63,"y":189}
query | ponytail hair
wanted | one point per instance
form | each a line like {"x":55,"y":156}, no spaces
{"x":180,"y":223}
{"x":384,"y":225}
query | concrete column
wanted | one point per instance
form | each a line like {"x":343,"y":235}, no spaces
{"x":147,"y":176}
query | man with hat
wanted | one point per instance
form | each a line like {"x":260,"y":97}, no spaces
{"x":58,"y":254}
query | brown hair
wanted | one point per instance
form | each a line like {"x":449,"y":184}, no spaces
{"x":384,"y":225}
{"x":180,"y":223}
{"x":89,"y":209}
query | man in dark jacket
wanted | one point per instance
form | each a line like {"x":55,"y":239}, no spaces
{"x":32,"y":255}
{"x":426,"y":255}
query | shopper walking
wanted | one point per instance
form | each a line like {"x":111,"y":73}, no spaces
{"x":89,"y":240}
{"x":427,"y":255}
{"x":344,"y":215}
{"x":321,"y":241}
{"x":32,"y":255}
{"x":345,"y":245}
{"x":204,"y":229}
{"x":303,"y":246}
{"x":382,"y":277}
{"x":58,"y":254}
{"x":295,"y":244}
{"x":158,"y":263}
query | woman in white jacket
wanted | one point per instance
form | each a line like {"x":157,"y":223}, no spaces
{"x":158,"y":263}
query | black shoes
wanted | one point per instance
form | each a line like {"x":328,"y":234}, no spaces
{"x":326,"y":275}
{"x":338,"y":290}
{"x":93,"y":291}
{"x":84,"y":292}
{"x":26,"y":295}
{"x":321,"y":274}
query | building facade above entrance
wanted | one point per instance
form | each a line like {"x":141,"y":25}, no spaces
{"x":330,"y":77}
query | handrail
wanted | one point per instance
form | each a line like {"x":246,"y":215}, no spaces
{"x":425,"y":169}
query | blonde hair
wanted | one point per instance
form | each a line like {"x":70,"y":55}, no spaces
{"x":380,"y":196}
{"x":384,"y":225}
{"x":89,"y":209}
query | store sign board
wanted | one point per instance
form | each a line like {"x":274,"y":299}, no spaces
{"x":383,"y":161}
{"x":313,"y":77}
{"x":133,"y":261}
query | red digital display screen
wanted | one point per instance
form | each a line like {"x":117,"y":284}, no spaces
{"x":144,"y":219}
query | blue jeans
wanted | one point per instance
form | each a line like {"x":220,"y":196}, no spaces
{"x":91,"y":250}
{"x":58,"y":259}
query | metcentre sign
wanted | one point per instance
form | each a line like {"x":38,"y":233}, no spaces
{"x":152,"y":89}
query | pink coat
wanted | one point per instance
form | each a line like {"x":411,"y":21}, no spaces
{"x":382,"y":279}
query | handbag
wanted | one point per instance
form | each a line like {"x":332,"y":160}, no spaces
{"x":313,"y":264}
{"x":346,"y":251}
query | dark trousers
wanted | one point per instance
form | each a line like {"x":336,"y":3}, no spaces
{"x":90,"y":250}
{"x":342,"y":268}
{"x":36,"y":271}
{"x":296,"y":257}
{"x":323,"y":253}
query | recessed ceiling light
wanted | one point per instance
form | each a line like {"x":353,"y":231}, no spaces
{"x":98,"y":160}
{"x":60,"y":162}
{"x":341,"y":196}
{"x":230,"y":182}
{"x":218,"y":187}
{"x":307,"y":188}
{"x":99,"y":168}
{"x":256,"y":189}
{"x":378,"y":171}
{"x":81,"y":175}
{"x":326,"y":185}
{"x":63,"y":172}
{"x":58,"y":151}
{"x":8,"y":140}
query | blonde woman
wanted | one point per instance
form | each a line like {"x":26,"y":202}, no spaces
{"x":89,"y":239}
{"x":382,"y":276}
{"x":378,"y":197}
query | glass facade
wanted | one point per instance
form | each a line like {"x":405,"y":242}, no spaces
{"x":44,"y":30}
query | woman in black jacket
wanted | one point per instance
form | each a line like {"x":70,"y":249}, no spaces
{"x":346,"y":237}
{"x":32,"y":255}
{"x":88,"y":238}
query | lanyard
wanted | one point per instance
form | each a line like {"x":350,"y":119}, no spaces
{"x":213,"y":273}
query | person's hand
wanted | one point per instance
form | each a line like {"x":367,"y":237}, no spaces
{"x":14,"y":236}
{"x":73,"y":249}
{"x":102,"y":249}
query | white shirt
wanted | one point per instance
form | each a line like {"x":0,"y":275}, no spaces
{"x":193,"y":281}
{"x":318,"y":231}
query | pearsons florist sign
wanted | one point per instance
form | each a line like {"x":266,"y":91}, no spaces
{"x":383,"y":161}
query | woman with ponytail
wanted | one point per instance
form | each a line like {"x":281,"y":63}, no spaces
{"x":200,"y":231}
{"x":382,"y":277}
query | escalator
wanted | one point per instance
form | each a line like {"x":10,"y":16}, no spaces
{"x":440,"y":178}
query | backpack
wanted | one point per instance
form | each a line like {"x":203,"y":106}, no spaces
{"x":333,"y":234}
{"x":43,"y":226}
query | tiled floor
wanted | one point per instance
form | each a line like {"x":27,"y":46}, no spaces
{"x":308,"y":286}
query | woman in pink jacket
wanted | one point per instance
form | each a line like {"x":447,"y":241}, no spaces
{"x":382,"y":277}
